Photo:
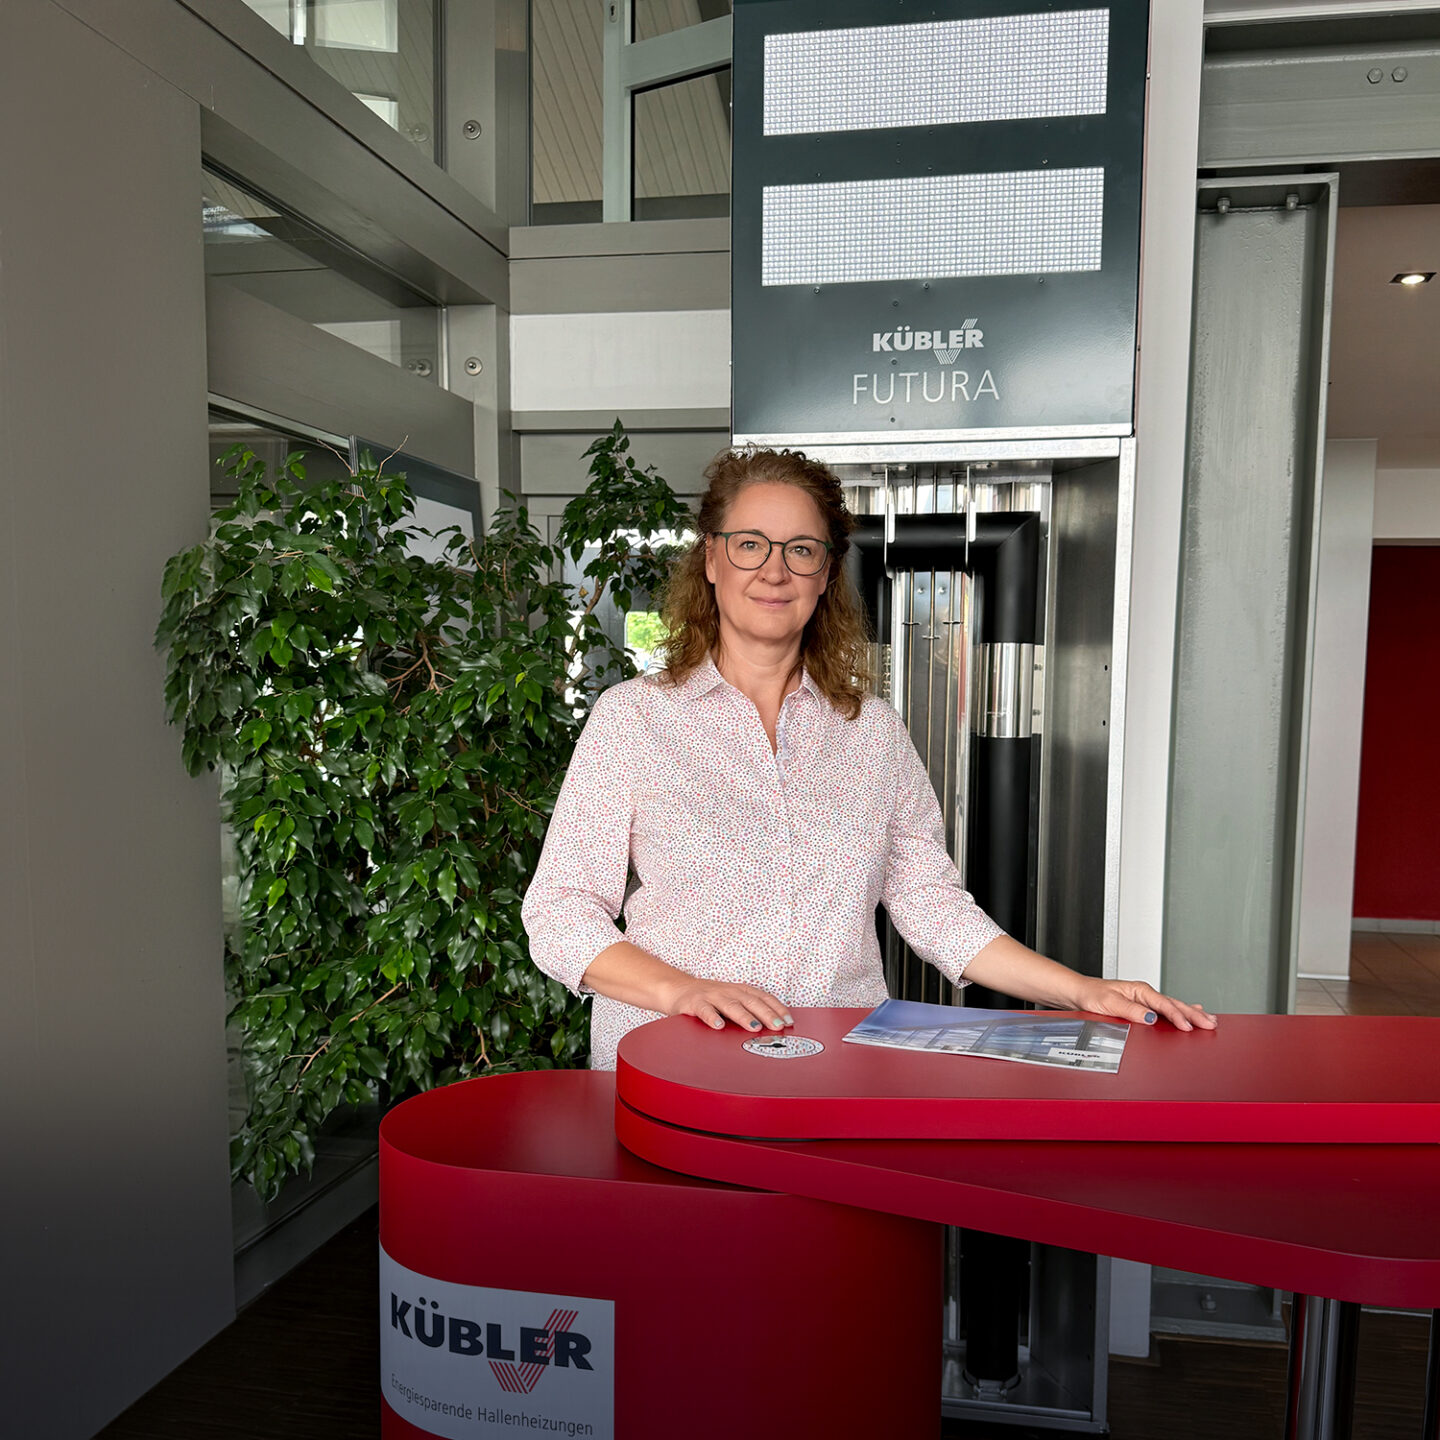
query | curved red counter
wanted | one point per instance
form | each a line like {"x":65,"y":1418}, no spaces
{"x":1277,"y":1079}
{"x":1330,"y":1191}
{"x":1350,"y":1222}
{"x":537,"y":1276}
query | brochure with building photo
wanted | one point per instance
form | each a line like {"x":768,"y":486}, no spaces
{"x":1032,"y":1037}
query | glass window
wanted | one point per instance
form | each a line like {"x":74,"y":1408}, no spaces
{"x":253,"y":246}
{"x":682,"y":149}
{"x":274,"y":12}
{"x":566,"y":69}
{"x":326,"y":456}
{"x":680,"y":144}
{"x":359,"y":24}
{"x":645,"y":633}
{"x":659,"y":17}
{"x":382,"y":51}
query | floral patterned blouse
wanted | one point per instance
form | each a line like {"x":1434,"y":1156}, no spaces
{"x":733,"y":862}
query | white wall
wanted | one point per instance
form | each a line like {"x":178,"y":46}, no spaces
{"x":1374,"y":494}
{"x":631,"y":360}
{"x":1166,"y":268}
{"x":1172,"y":133}
{"x":1407,"y":505}
{"x":1332,"y":784}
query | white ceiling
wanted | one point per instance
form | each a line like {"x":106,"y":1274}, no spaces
{"x":1384,"y":338}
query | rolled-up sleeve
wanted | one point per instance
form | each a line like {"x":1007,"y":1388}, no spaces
{"x":578,"y":887}
{"x":922,"y":893}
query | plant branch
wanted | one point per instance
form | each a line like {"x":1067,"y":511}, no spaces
{"x":314,"y":1055}
{"x":380,"y":468}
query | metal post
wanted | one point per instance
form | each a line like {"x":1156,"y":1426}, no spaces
{"x":617,"y":128}
{"x":1430,"y":1429}
{"x":1320,"y":1394}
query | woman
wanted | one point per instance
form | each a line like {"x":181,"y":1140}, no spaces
{"x":751,"y":805}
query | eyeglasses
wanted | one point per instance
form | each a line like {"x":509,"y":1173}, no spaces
{"x":749,"y":550}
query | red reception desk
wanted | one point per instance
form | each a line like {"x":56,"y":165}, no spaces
{"x":536,"y":1278}
{"x":1350,"y":1220}
{"x":1278,"y":1079}
{"x":1308,"y":1165}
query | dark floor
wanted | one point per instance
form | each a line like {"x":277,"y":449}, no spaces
{"x":302,"y":1363}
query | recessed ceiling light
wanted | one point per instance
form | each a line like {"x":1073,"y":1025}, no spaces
{"x":1413,"y":277}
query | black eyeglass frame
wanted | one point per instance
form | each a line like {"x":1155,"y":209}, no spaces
{"x":784,"y":548}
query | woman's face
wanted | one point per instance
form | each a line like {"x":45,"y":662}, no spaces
{"x":770,"y":605}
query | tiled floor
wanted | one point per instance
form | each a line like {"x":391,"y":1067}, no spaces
{"x":1391,"y":973}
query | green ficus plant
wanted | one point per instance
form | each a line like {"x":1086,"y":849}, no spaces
{"x":391,"y":732}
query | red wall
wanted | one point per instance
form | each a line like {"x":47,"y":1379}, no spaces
{"x":1397,"y":855}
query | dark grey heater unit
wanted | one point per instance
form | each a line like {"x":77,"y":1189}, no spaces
{"x":935,"y":242}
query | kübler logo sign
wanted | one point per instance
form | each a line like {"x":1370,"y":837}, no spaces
{"x":472,"y":1362}
{"x":553,"y":1343}
{"x":932,"y":385}
{"x":946,"y":345}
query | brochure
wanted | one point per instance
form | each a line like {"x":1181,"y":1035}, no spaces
{"x":1032,"y":1037}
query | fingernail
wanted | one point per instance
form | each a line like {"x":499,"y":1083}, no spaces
{"x":718,"y":1024}
{"x":754,"y":1024}
{"x":789,"y":1019}
{"x":777,"y":1024}
{"x":1149,"y":1017}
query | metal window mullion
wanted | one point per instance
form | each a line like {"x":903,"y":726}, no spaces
{"x":618,"y":130}
{"x":677,"y":55}
{"x":642,"y":65}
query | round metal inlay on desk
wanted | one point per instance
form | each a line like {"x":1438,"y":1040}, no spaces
{"x":784,"y":1047}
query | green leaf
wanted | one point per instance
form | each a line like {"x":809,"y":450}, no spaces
{"x":372,"y":1061}
{"x":445,"y":885}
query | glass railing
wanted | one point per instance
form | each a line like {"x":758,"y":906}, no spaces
{"x":254,"y":246}
{"x":382,"y":51}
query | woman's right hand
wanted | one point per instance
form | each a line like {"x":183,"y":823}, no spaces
{"x":715,"y":1002}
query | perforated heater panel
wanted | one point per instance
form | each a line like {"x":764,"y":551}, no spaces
{"x":933,"y":227}
{"x":948,"y":72}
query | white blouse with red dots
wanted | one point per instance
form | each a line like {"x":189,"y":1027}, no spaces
{"x":734,"y":862}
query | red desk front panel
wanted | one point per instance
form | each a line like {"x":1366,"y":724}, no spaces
{"x":1293,"y":1079}
{"x":711,"y":1310}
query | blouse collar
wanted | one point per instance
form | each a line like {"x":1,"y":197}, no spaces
{"x":706,"y":677}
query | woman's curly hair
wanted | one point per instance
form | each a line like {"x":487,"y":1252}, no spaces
{"x":835,"y":647}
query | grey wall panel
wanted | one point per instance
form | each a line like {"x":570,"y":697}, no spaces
{"x":278,"y":121}
{"x":641,"y":237}
{"x":1319,"y":105}
{"x":1244,"y":609}
{"x":649,"y":265}
{"x":114,"y":1189}
{"x":1332,"y":782}
{"x":273,"y":362}
{"x":482,"y":333}
{"x":591,"y":422}
{"x":620,"y":282}
{"x":555,"y":464}
{"x":486,"y":81}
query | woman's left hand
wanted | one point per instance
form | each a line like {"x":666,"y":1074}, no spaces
{"x":1135,"y":1000}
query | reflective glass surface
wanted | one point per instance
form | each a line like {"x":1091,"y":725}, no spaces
{"x":659,"y":17}
{"x":278,"y":258}
{"x":682,"y":149}
{"x":681,"y":145}
{"x":566,"y":69}
{"x":382,"y":51}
